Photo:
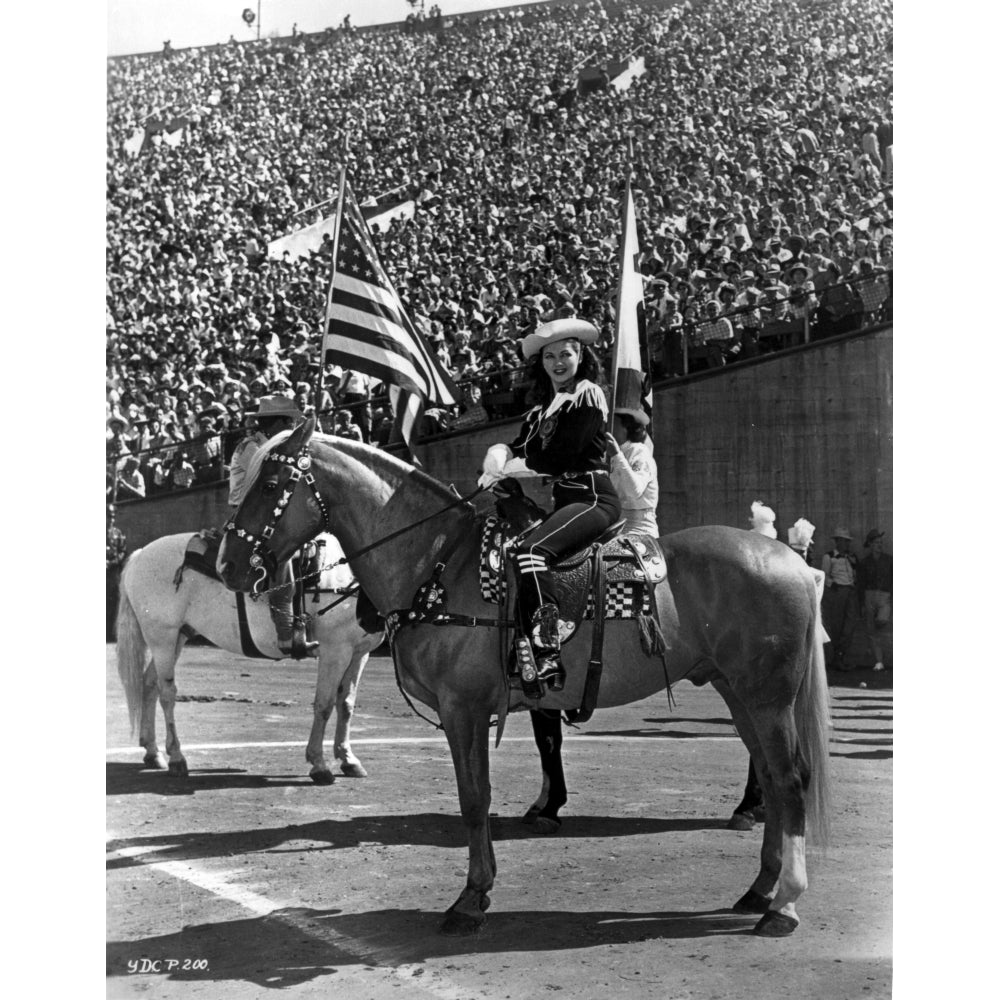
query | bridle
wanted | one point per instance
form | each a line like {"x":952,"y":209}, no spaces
{"x":299,"y":466}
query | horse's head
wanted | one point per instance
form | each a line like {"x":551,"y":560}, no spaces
{"x":281,"y":509}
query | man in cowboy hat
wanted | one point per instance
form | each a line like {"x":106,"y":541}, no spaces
{"x":840,"y":604}
{"x":275,"y":414}
{"x":875,"y":587}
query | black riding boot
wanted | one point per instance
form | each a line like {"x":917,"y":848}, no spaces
{"x":545,"y":645}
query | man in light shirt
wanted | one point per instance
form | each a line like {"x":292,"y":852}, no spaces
{"x":840,"y":602}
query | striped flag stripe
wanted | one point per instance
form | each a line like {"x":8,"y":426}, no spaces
{"x":407,"y":407}
{"x":351,"y":312}
{"x":371,"y":359}
{"x":344,"y":286}
{"x":373,"y":338}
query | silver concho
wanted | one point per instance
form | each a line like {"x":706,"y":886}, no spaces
{"x":304,"y":462}
{"x":494,"y":560}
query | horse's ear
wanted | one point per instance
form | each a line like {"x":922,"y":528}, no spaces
{"x":301,"y":436}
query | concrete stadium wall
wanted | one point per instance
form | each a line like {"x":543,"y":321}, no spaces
{"x":808,"y":432}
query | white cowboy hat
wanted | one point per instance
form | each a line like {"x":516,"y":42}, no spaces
{"x":569,"y":328}
{"x":278,"y":406}
{"x":842,"y":533}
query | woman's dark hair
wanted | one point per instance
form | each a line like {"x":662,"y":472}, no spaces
{"x":540,"y":391}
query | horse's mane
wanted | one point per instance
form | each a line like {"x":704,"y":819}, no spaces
{"x":356,"y":449}
{"x":368,"y":454}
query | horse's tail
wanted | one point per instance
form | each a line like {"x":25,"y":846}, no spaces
{"x":812,"y":719}
{"x":131,"y":651}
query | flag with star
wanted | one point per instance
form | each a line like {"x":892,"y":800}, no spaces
{"x":368,"y":330}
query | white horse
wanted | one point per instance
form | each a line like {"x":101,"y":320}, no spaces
{"x":156,"y":617}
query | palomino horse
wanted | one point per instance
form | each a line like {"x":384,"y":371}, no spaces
{"x":737,"y":610}
{"x":155,"y":616}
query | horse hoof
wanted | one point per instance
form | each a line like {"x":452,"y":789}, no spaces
{"x":751,"y":902}
{"x":154,"y":762}
{"x":546,"y":825}
{"x":740,"y":821}
{"x":178,"y":769}
{"x":323,"y":777}
{"x":760,"y":813}
{"x":353,"y":771}
{"x":456,"y":924}
{"x":530,"y":815}
{"x":775,"y":924}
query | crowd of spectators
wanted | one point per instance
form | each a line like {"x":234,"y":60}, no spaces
{"x":758,"y":142}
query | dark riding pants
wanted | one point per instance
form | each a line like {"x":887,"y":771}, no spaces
{"x":584,"y":508}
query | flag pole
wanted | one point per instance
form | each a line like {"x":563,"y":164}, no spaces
{"x":621,"y":288}
{"x":333,"y":277}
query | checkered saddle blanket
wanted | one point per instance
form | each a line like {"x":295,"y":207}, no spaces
{"x":633,"y":565}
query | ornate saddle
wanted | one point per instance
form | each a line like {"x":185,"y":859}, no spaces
{"x":631,"y":564}
{"x":615,"y":577}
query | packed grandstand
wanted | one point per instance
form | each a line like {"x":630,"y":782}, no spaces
{"x":757,"y":136}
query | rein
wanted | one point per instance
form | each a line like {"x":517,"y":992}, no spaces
{"x":300,"y":466}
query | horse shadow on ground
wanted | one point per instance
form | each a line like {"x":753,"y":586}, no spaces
{"x":294,"y":946}
{"x":663,"y":734}
{"x":865,"y":755}
{"x":862,"y":697}
{"x":885,"y":717}
{"x":133,"y":779}
{"x":673,"y":719}
{"x":865,"y":732}
{"x":415,"y":830}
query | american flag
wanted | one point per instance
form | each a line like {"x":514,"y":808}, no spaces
{"x":368,"y":331}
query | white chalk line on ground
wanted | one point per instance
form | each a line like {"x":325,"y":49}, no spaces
{"x":262,"y":906}
{"x":397,"y":740}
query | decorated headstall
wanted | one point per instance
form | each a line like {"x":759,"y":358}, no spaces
{"x":299,"y":467}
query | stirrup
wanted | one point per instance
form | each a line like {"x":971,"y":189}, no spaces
{"x":300,"y":649}
{"x":545,"y":645}
{"x":550,"y":669}
{"x":300,"y":646}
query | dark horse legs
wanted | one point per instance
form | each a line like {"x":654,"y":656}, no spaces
{"x":544,"y":812}
{"x":751,"y":808}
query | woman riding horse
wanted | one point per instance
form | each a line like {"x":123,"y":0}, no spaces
{"x":563,"y":436}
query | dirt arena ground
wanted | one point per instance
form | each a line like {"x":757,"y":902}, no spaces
{"x":245,"y":877}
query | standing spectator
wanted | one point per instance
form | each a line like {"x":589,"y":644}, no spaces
{"x":180,"y":471}
{"x":875,"y":587}
{"x":114,"y":557}
{"x":870,"y":146}
{"x":840,"y":603}
{"x":118,"y":443}
{"x":840,"y":307}
{"x":355,"y":387}
{"x":206,"y":451}
{"x":130,"y":484}
{"x":873,"y":290}
{"x":714,"y":339}
{"x":344,"y":427}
